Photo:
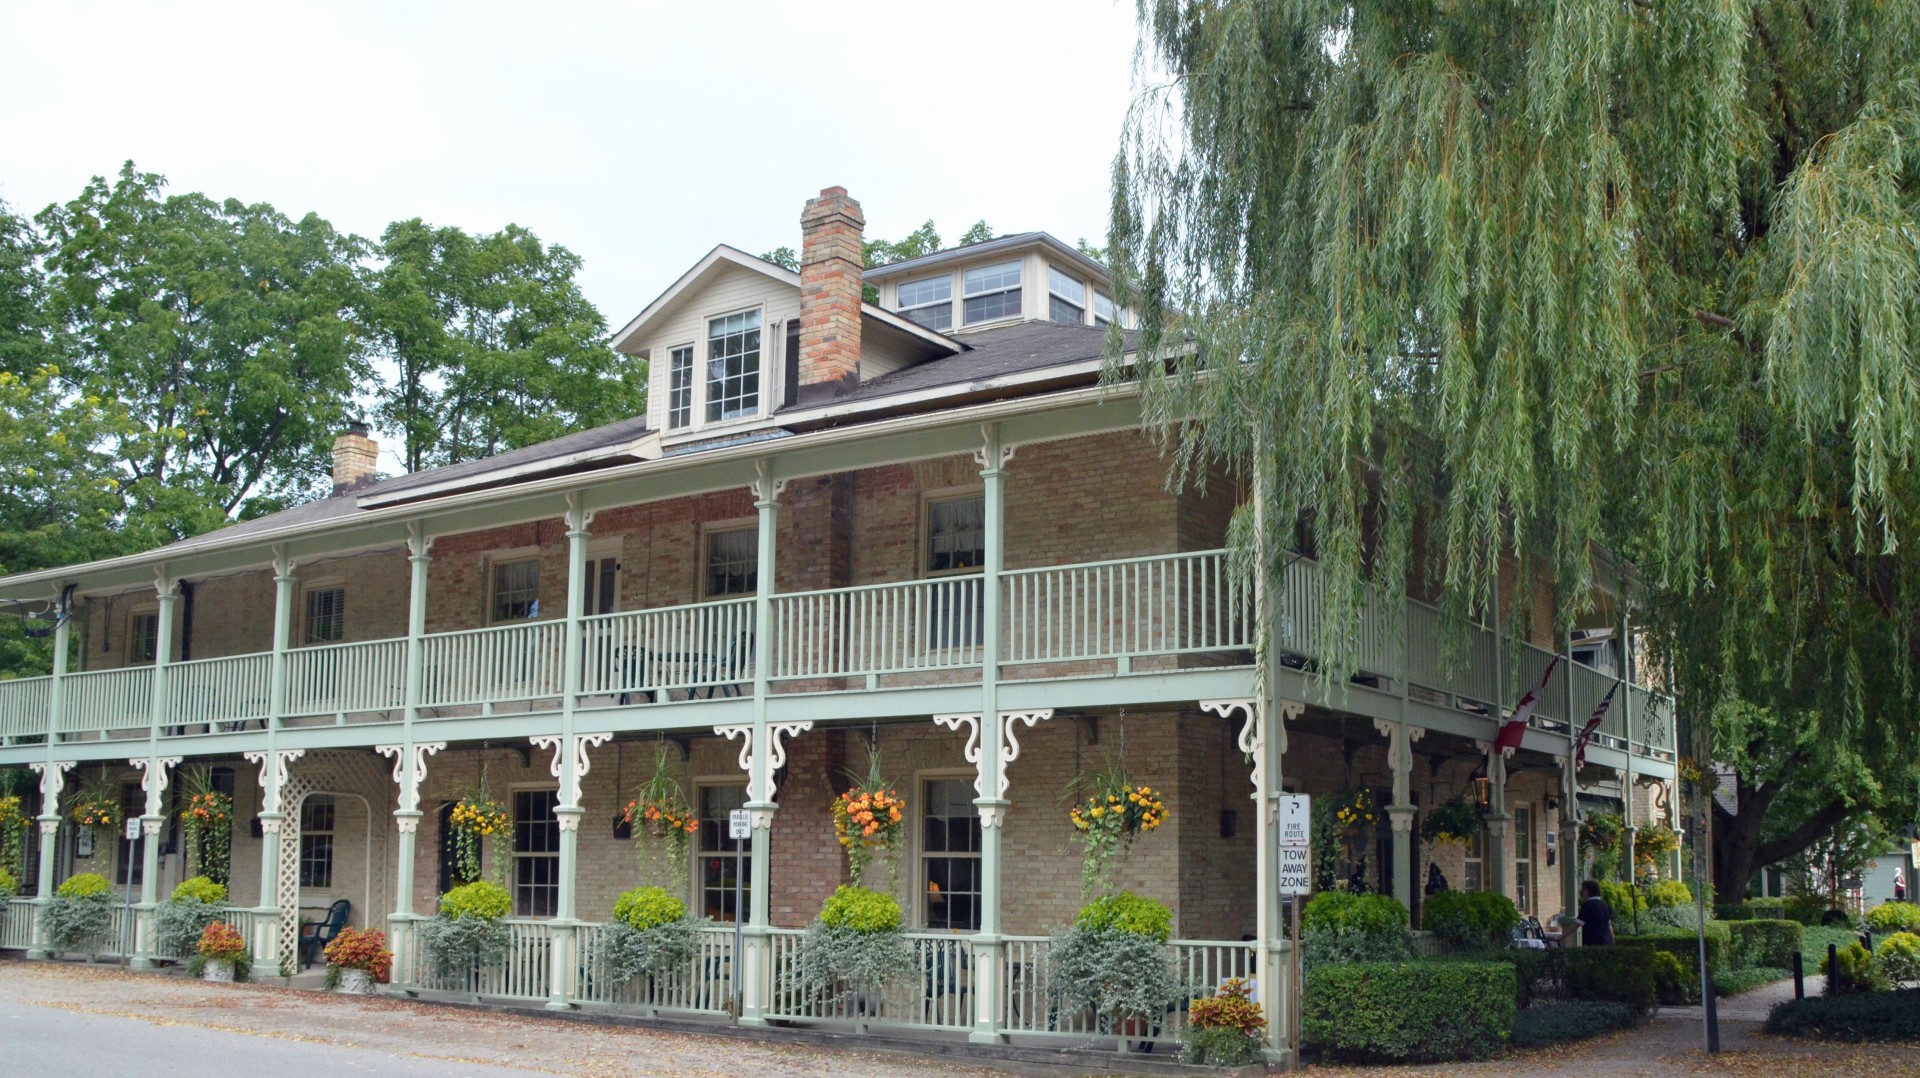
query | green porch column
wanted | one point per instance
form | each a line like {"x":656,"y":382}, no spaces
{"x":754,"y":967}
{"x":1499,"y":855}
{"x":1570,"y":845}
{"x":409,"y":765}
{"x":570,"y":761}
{"x":989,"y":949}
{"x":1626,"y":721}
{"x":154,"y":774}
{"x":273,"y":763}
{"x":52,"y":772}
{"x":1400,"y":738}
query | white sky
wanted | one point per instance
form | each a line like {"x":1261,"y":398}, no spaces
{"x":637,"y":134}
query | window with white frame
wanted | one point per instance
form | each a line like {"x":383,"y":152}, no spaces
{"x":326,"y":621}
{"x":956,"y":545}
{"x":1102,"y":308}
{"x":991,"y":292}
{"x":536,"y":854}
{"x":680,"y":387}
{"x":733,"y":366}
{"x":733,"y":561}
{"x":143,"y":636}
{"x":721,"y":861}
{"x":516,"y":590}
{"x":1475,"y":869}
{"x":1523,"y":857}
{"x":603,"y":585}
{"x":929,"y":301}
{"x":1067,"y":298}
{"x":950,"y":856}
{"x":316,"y":841}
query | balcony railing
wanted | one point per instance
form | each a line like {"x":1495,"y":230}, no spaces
{"x":1088,"y":619}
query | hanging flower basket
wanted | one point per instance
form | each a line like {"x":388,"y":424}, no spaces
{"x":658,"y":812}
{"x":14,"y":823}
{"x":869,"y":819}
{"x":97,"y":805}
{"x":1454,"y":820}
{"x":207,"y":820}
{"x":1355,"y":808}
{"x":477,"y":820}
{"x":1650,"y":844}
{"x":1602,"y":831}
{"x":1113,"y":815}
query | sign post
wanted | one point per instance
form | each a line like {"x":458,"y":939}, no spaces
{"x":127,"y":927}
{"x":740,"y":831}
{"x":1295,"y":880}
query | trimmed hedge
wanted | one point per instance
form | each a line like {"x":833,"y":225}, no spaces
{"x":1894,"y":917}
{"x":1409,"y":1012}
{"x":1472,"y":920}
{"x":1685,"y":949}
{"x":1624,"y":975}
{"x":1341,"y":927}
{"x":1878,"y":1016}
{"x":1766,"y":943}
{"x":1558,"y":1023}
{"x":1662,"y":893}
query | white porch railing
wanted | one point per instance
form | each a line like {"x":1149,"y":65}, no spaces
{"x":1166,"y":605}
{"x":523,"y":974}
{"x":23,"y":706}
{"x":704,"y":985}
{"x":645,"y":654}
{"x":107,"y":700}
{"x":347,"y":679}
{"x":230,"y":689}
{"x":879,"y":629}
{"x":1031,"y":1004}
{"x":16,"y":924}
{"x":507,"y":663}
{"x":938,"y":993}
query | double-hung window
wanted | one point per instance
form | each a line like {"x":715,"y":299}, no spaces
{"x":1102,"y":309}
{"x":950,"y":856}
{"x":733,"y":366}
{"x":680,"y":387}
{"x":991,"y":292}
{"x":929,"y":301}
{"x":1475,"y":862}
{"x":1067,"y":297}
{"x":536,"y":854}
{"x":316,"y":841}
{"x":326,"y":615}
{"x":733,"y":562}
{"x":956,"y":546}
{"x":143,"y":636}
{"x":1523,"y":858}
{"x":722,"y":865}
{"x":516,"y":590}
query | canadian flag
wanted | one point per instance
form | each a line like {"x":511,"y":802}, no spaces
{"x":1593,"y":723}
{"x":1515,"y":728}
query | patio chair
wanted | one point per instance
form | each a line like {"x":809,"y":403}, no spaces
{"x":726,"y":670}
{"x":315,"y":935}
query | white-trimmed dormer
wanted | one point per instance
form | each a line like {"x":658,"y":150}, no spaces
{"x":1026,"y":277}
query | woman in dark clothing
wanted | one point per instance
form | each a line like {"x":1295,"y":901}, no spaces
{"x":1596,"y":917}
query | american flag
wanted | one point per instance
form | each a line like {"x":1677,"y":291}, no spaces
{"x":1593,"y":723}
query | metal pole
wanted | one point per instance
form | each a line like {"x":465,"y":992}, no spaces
{"x":733,"y":982}
{"x":1297,"y":1005}
{"x":127,"y":832}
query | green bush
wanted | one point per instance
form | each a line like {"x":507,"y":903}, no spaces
{"x":481,"y":899}
{"x":1471,"y":920}
{"x":1766,"y":943}
{"x":1629,"y":976}
{"x":178,"y":924}
{"x":1220,"y":1046}
{"x":1899,"y":957}
{"x":1409,"y":1012}
{"x":8,"y":888}
{"x":78,"y":922}
{"x":857,"y":909}
{"x":1854,"y":970}
{"x":1113,"y":972}
{"x":1685,"y":949}
{"x":200,"y":889}
{"x":1341,"y":927}
{"x":1127,"y":912}
{"x":1882,"y":1016}
{"x":661,"y":950}
{"x":647,"y":907}
{"x":1733,"y":982}
{"x":1894,"y":917}
{"x":1668,"y":893}
{"x":83,"y":885}
{"x":1817,"y":938}
{"x":1805,"y":909}
{"x":1558,"y":1023}
{"x":1624,"y":900}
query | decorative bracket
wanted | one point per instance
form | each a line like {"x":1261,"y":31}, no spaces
{"x":1252,"y":740}
{"x":765,"y":487}
{"x":991,"y":789}
{"x":760,"y":800}
{"x":991,"y":447}
{"x":569,"y":785}
{"x":53,"y":777}
{"x":276,"y":763}
{"x":419,"y":543}
{"x":283,"y":566}
{"x":578,"y":515}
{"x":972,"y":751}
{"x":153,"y":778}
{"x":1400,"y":738}
{"x":408,"y":770}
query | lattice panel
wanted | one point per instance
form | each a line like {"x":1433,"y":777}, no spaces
{"x":360,"y":774}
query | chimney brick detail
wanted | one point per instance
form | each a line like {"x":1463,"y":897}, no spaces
{"x":832,"y":265}
{"x":354,"y":457}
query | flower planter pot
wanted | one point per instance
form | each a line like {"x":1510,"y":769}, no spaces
{"x":355,"y":982}
{"x":217,"y":970}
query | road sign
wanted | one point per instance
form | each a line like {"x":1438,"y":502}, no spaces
{"x":133,"y":828}
{"x":1296,"y":820}
{"x":1296,"y":877}
{"x":739,"y":824}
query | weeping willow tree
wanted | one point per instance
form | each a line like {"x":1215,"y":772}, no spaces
{"x":1464,"y":280}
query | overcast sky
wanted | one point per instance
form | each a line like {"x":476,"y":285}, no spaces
{"x":638,"y":134}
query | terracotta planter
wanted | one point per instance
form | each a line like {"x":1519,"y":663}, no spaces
{"x":355,"y":982}
{"x":218,"y":970}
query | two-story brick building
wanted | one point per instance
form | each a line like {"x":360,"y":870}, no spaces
{"x":921,"y":526}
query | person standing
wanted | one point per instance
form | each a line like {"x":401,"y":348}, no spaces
{"x":1596,"y":917}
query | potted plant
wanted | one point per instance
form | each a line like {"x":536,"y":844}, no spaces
{"x":206,"y":824}
{"x":96,"y":805}
{"x":81,"y":912}
{"x":1114,"y":813}
{"x":469,"y":933}
{"x":868,"y":820}
{"x":357,"y":960}
{"x":855,"y":949}
{"x":1454,"y":820}
{"x":14,"y":823}
{"x":1650,"y":844}
{"x":179,"y":922}
{"x":479,"y":821}
{"x":221,"y":955}
{"x":659,"y":814}
{"x":1224,"y":1029}
{"x":1114,"y":962}
{"x":650,"y":936}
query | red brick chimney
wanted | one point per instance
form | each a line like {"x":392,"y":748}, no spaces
{"x":354,"y":456}
{"x":831,"y":269}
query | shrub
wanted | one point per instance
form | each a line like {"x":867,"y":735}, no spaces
{"x":1629,"y":976}
{"x":1683,"y":985}
{"x":1882,"y":1016}
{"x":1126,"y":912}
{"x":221,"y":942}
{"x":8,"y":888}
{"x":1685,"y":918}
{"x":80,"y":913}
{"x":1854,"y":971}
{"x":177,"y":924}
{"x":1341,"y":927}
{"x":1733,"y":982}
{"x":860,"y":910}
{"x":459,"y":944}
{"x":1805,"y":909}
{"x":1766,"y":943}
{"x":1899,"y":957}
{"x":1558,"y":1023}
{"x":662,"y":950}
{"x":1409,"y":1011}
{"x":362,"y":950}
{"x":1223,"y":1030}
{"x":84,"y":885}
{"x":1624,"y":900}
{"x":647,"y":907}
{"x":1668,"y":893}
{"x":1472,"y":920}
{"x":481,"y":899}
{"x":1894,"y":917}
{"x":200,"y":889}
{"x":1113,"y":971}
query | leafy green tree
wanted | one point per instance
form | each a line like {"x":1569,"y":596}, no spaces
{"x":226,"y":330}
{"x":493,"y":344}
{"x":1479,"y":278}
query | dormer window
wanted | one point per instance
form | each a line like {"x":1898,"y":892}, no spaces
{"x":992,"y":292}
{"x":929,"y":301}
{"x":733,"y":366}
{"x":680,"y":387}
{"x":1102,"y":309}
{"x":1068,"y":298}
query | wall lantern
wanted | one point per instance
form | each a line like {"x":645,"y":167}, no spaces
{"x":1483,"y":791}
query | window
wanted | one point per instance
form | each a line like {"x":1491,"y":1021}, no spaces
{"x":680,"y":387}
{"x":1067,"y":296}
{"x":733,"y":562}
{"x":929,"y":301}
{"x":719,"y":858}
{"x":1102,"y":308}
{"x":1523,"y":858}
{"x":733,"y":366}
{"x":603,"y":585}
{"x":536,"y":854}
{"x":1476,"y":865}
{"x":956,"y":545}
{"x":449,"y":854}
{"x":143,"y":636}
{"x":516,"y":590}
{"x":950,"y":856}
{"x":132,"y":862}
{"x":326,"y":615}
{"x":992,"y":292}
{"x":316,"y":841}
